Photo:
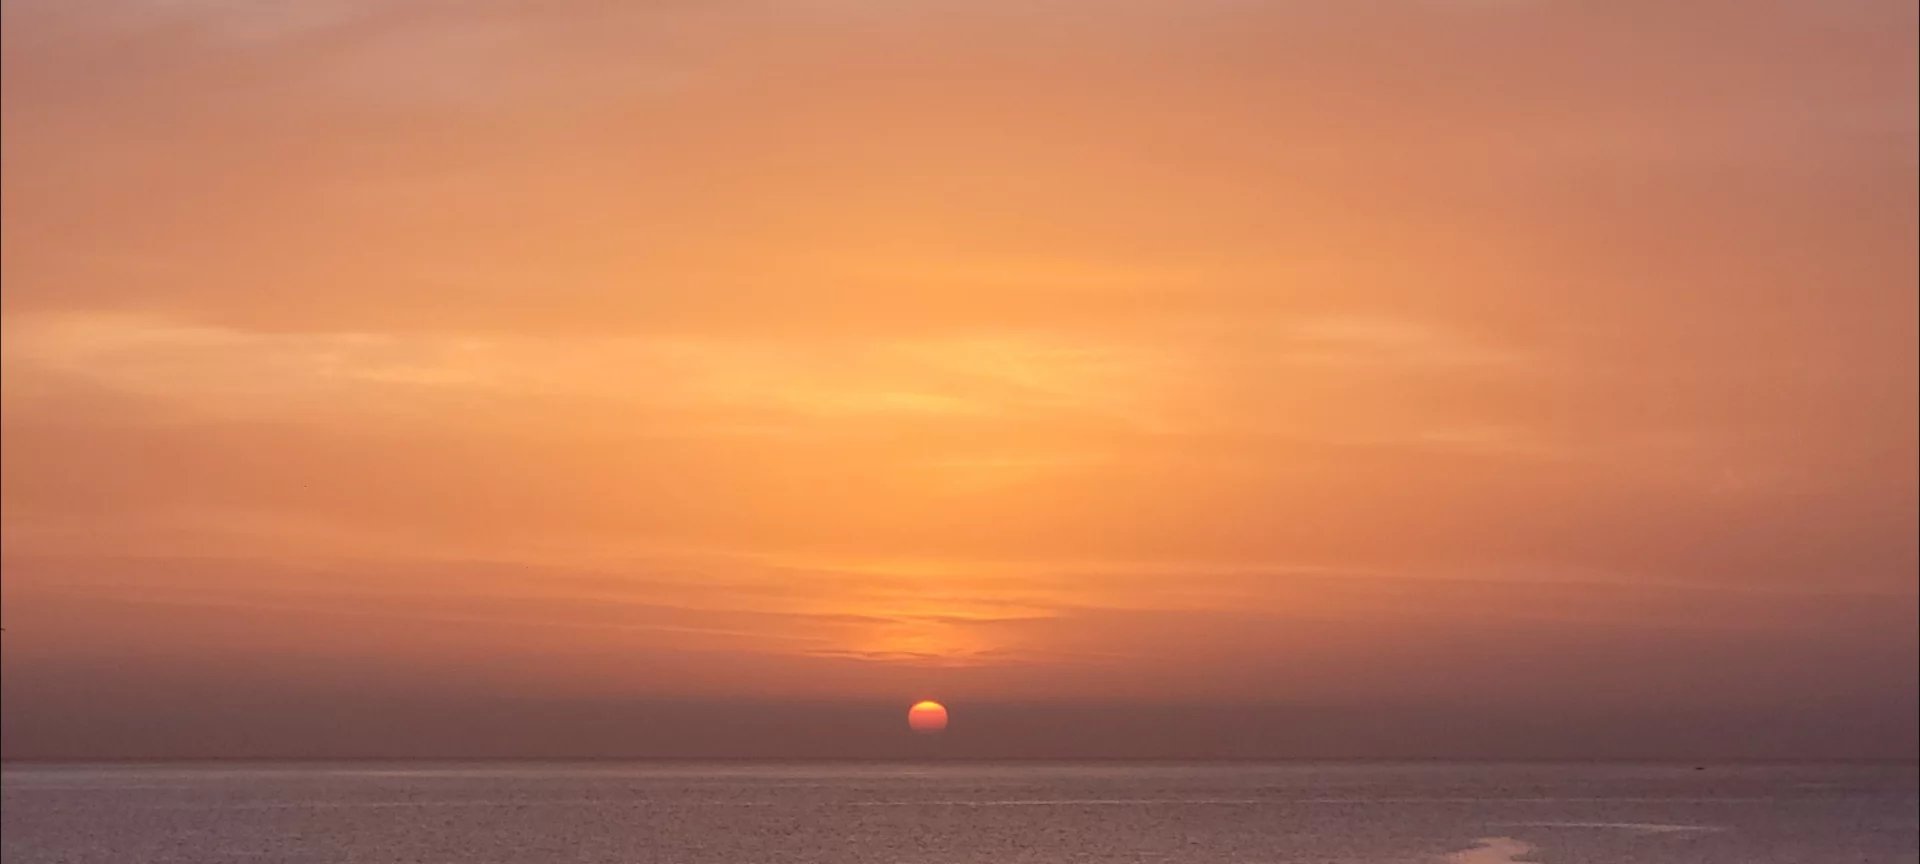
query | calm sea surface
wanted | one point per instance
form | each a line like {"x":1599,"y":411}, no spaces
{"x":859,"y":813}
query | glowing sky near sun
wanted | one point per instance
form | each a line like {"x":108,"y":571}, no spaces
{"x":1160,"y":353}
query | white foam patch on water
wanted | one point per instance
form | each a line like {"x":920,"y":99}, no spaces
{"x":1492,"y":850}
{"x":1640,"y":827}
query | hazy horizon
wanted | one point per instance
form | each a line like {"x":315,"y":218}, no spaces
{"x":482,"y":732}
{"x":1450,"y":378}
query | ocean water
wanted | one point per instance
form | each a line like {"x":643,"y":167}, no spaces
{"x":971,"y":813}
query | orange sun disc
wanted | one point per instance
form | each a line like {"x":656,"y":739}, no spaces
{"x":927,"y":717}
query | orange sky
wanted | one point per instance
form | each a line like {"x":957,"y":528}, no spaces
{"x":1558,"y":356}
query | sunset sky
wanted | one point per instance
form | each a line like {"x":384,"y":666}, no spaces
{"x":1392,"y":377}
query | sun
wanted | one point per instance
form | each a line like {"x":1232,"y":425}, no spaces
{"x":927,"y":717}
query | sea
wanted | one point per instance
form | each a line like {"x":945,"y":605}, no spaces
{"x":964,"y":813}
